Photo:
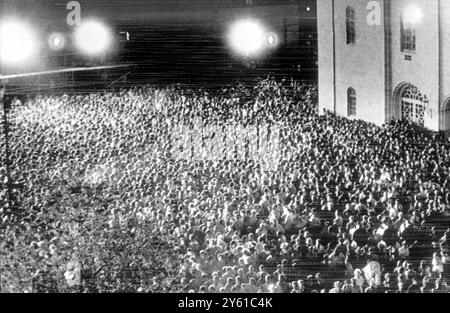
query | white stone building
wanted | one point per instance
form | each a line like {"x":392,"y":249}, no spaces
{"x":386,"y":60}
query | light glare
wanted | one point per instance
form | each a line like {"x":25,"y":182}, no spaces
{"x":247,"y":37}
{"x":412,"y":15}
{"x":17,"y":42}
{"x":272,"y":40}
{"x":93,"y":38}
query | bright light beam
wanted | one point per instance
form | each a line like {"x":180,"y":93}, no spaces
{"x":17,"y":42}
{"x":247,"y":37}
{"x":65,"y":70}
{"x":93,"y":38}
{"x":412,"y":15}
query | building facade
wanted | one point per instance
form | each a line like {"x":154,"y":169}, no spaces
{"x":386,"y":60}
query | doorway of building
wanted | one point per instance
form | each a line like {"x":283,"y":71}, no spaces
{"x":413,"y":104}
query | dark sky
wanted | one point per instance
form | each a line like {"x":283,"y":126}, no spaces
{"x":171,"y":40}
{"x":125,"y":9}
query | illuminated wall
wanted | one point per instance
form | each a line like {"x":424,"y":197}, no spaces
{"x":375,"y":65}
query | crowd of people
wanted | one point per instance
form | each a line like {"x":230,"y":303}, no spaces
{"x":101,"y":203}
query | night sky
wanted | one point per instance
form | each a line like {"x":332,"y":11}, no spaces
{"x":173,"y":41}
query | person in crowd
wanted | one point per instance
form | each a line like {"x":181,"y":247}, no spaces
{"x":237,"y":189}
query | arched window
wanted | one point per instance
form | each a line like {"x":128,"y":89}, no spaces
{"x":351,"y":102}
{"x":407,"y":35}
{"x":413,"y":105}
{"x":351,"y":25}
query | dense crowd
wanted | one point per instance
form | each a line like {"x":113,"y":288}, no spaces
{"x":102,"y":204}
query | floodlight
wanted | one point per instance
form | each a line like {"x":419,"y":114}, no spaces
{"x":57,"y":41}
{"x":93,"y":38}
{"x":247,"y":37}
{"x":272,"y":40}
{"x":17,"y":41}
{"x":412,"y":15}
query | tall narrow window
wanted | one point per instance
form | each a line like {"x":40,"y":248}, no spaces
{"x":350,"y":25}
{"x":351,"y":102}
{"x":408,"y":35}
